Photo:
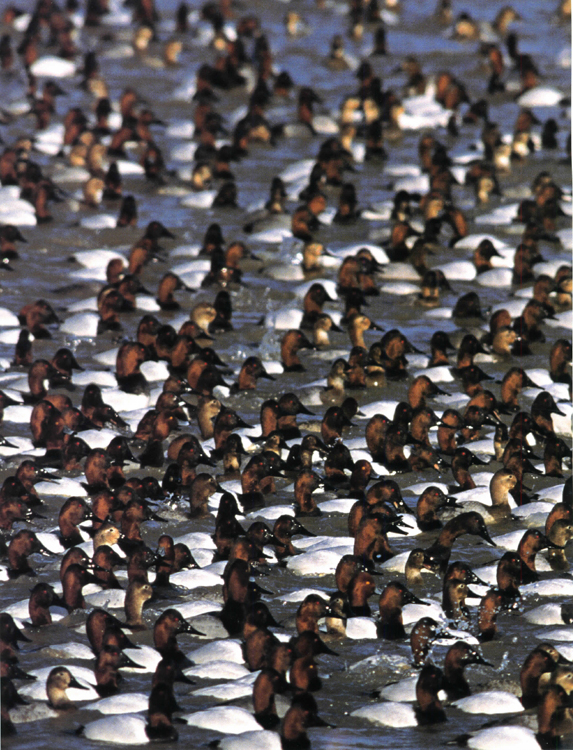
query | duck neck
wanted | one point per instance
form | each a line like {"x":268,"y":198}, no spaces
{"x":456,"y":683}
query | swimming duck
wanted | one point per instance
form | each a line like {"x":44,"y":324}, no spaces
{"x":162,"y":704}
{"x":428,"y":710}
{"x":60,"y":679}
{"x":392,"y":599}
{"x":466,"y":523}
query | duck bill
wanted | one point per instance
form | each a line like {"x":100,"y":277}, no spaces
{"x":398,"y":528}
{"x":485,"y":535}
{"x":44,"y":550}
{"x":410,"y":598}
{"x":300,"y":529}
{"x":439,"y":391}
{"x":430,"y":564}
{"x":272,"y":622}
{"x":481,"y":660}
{"x":261,"y":590}
{"x":415,"y":350}
{"x":374,"y":572}
{"x":529,"y":382}
{"x":126,"y":643}
{"x":75,"y":684}
{"x":116,"y":421}
{"x":303,"y":410}
{"x":58,"y":601}
{"x":375,"y":327}
{"x":186,"y":627}
{"x":45,"y":476}
{"x":21,"y":637}
{"x":125,"y":661}
{"x":182,"y":677}
{"x":439,"y":634}
{"x":478,"y":461}
{"x":472,"y":578}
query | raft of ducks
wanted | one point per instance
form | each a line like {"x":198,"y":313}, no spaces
{"x":121,"y":428}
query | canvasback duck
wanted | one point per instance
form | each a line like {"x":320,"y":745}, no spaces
{"x":292,"y":342}
{"x":453,"y":600}
{"x":304,"y":671}
{"x":392,"y":599}
{"x":59,"y":680}
{"x":423,"y":634}
{"x":74,"y":579}
{"x":418,"y":561}
{"x":532,"y":542}
{"x":158,"y":726}
{"x":428,"y":505}
{"x":371,"y":540}
{"x":42,"y":597}
{"x":310,"y":611}
{"x":168,"y":625}
{"x":21,"y":545}
{"x":466,"y":523}
{"x":421,"y":206}
{"x":428,"y":710}
{"x":490,"y":606}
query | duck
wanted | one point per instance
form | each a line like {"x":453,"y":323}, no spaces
{"x":498,"y":492}
{"x":392,"y":599}
{"x":59,"y":681}
{"x":466,"y":523}
{"x":428,"y":710}
{"x":418,"y":561}
{"x":302,"y":715}
{"x":135,"y":729}
{"x":22,"y":544}
{"x":458,"y":656}
{"x":542,"y":660}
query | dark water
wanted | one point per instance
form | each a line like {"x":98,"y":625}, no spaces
{"x":44,"y":267}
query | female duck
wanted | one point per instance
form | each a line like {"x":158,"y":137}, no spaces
{"x":59,"y":680}
{"x":500,"y":487}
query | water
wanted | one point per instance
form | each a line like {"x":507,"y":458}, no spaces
{"x":44,"y":266}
